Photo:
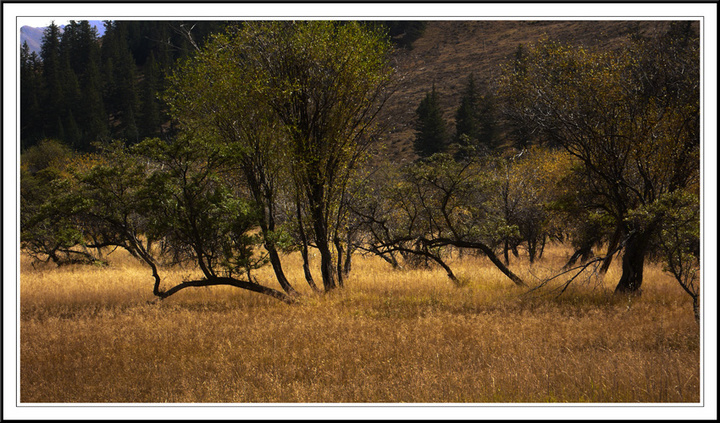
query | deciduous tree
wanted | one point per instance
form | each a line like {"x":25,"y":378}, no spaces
{"x":630,"y":116}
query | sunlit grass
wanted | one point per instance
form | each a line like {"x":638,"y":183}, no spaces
{"x":94,"y":334}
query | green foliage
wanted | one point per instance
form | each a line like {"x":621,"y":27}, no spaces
{"x":631,"y":117}
{"x":49,"y":206}
{"x":317,"y":83}
{"x":84,"y":89}
{"x":531,"y":196}
{"x":201,"y":216}
{"x":475,"y":120}
{"x":431,"y":132}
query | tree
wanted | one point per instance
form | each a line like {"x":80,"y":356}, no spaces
{"x":31,"y":125}
{"x":173,"y":202}
{"x":475,"y":120}
{"x":527,"y":192}
{"x":631,"y":117}
{"x":404,"y":33}
{"x":433,"y":204}
{"x":150,"y":104}
{"x":431,"y":133}
{"x":52,"y":80}
{"x":680,"y":242}
{"x":325,"y":82}
{"x":216,"y":94}
{"x":120,"y":74}
{"x":50,"y":227}
{"x":467,"y":125}
{"x":92,"y":110}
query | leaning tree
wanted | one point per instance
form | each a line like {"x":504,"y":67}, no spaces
{"x":630,"y":116}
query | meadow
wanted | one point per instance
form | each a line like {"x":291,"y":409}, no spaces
{"x":96,"y":335}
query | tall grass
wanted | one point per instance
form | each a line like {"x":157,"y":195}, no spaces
{"x":93,"y":334}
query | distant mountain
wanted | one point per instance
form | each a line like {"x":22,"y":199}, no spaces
{"x":34,"y":35}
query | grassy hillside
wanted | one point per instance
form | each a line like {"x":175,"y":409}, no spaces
{"x":449,"y":51}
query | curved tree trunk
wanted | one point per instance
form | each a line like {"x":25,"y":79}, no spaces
{"x":277,"y":268}
{"x":488,"y":252}
{"x":267,"y":225}
{"x":583,"y":254}
{"x":227,"y":281}
{"x":499,"y":264}
{"x":265,"y":198}
{"x":612,"y":246}
{"x":438,"y":260}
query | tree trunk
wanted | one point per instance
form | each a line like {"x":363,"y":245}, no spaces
{"x":277,"y":267}
{"x":696,"y":307}
{"x":614,"y":241}
{"x":326,"y":266}
{"x":304,"y":250}
{"x":489,"y":253}
{"x":339,"y":269}
{"x":499,"y":264}
{"x":506,"y":249}
{"x":264,"y":197}
{"x":514,"y":249}
{"x":430,"y":256}
{"x":633,"y":263}
{"x":316,"y":203}
{"x":582,"y":254}
{"x":532,"y":249}
{"x":543,"y":240}
{"x":347,"y":267}
{"x":214,"y":281}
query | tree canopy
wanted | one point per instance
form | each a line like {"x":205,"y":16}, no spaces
{"x":630,"y":116}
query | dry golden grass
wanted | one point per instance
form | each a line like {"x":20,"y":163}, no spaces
{"x":90,"y":335}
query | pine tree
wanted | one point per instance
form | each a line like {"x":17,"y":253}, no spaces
{"x":52,"y":85}
{"x":467,"y":123}
{"x":30,"y":118}
{"x":73,"y":135}
{"x":94,"y":118}
{"x":120,"y":97}
{"x":150,"y":106}
{"x":488,"y":120}
{"x":431,"y":132}
{"x":476,"y":119}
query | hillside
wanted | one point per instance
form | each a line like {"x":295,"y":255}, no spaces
{"x":445,"y":54}
{"x":448,"y":51}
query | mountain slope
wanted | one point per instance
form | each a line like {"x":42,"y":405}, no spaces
{"x":448,"y":51}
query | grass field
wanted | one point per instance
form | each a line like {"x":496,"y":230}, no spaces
{"x":91,"y":335}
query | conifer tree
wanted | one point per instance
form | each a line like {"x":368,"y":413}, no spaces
{"x":94,"y":122}
{"x":475,"y":119}
{"x":119,"y":69}
{"x":467,"y":123}
{"x":30,"y":89}
{"x":150,"y":105}
{"x":52,"y":86}
{"x":431,"y":133}
{"x":73,"y":135}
